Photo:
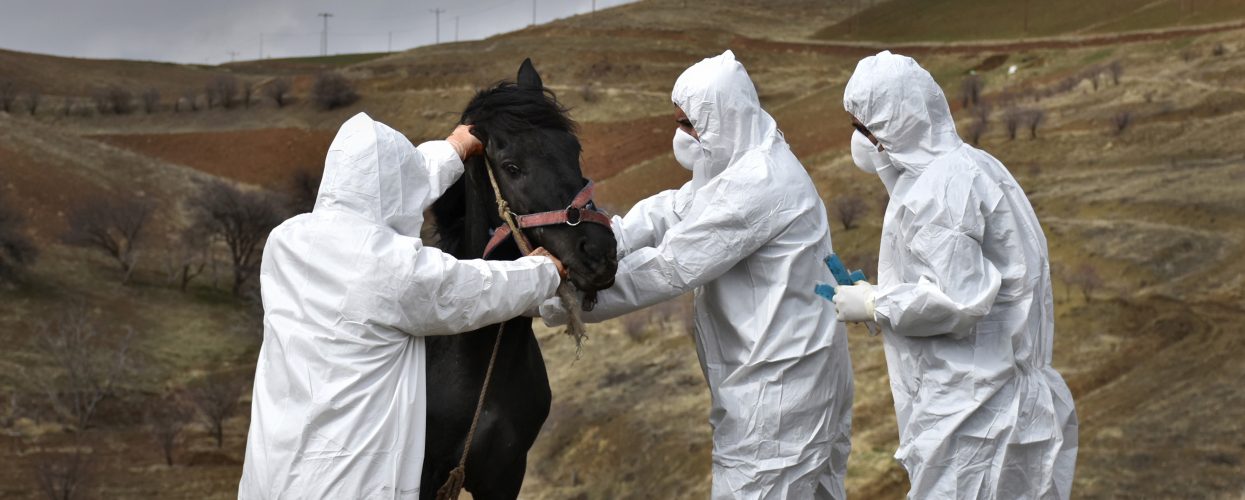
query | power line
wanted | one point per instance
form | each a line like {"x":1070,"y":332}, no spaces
{"x":437,"y":12}
{"x":324,"y":34}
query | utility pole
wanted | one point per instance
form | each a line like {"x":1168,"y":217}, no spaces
{"x":390,"y":49}
{"x":1026,"y":16}
{"x":232,"y":55}
{"x":533,"y":13}
{"x":594,"y":5}
{"x":437,"y":12}
{"x":324,"y":34}
{"x":261,"y":46}
{"x":455,"y":28}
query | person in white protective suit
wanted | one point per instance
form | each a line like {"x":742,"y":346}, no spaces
{"x":963,"y":300}
{"x":349,"y":292}
{"x":748,"y":234}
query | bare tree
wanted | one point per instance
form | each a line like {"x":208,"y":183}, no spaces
{"x":970,"y":90}
{"x":279,"y":91}
{"x":1087,"y":279}
{"x":151,"y":100}
{"x":1116,"y":69}
{"x":84,"y":368}
{"x":589,"y":93}
{"x":187,"y":256}
{"x":1121,"y":120}
{"x":191,"y":102}
{"x":980,"y":124}
{"x":8,"y":95}
{"x":303,"y":187}
{"x":248,"y":90}
{"x":635,"y":325}
{"x":1035,"y":118}
{"x":849,"y":209}
{"x":33,"y":99}
{"x":216,"y":397}
{"x":113,"y":226}
{"x":165,"y":420}
{"x":1012,"y":118}
{"x":332,"y":91}
{"x":120,"y":100}
{"x":224,"y":90}
{"x":17,"y":251}
{"x":64,"y":476}
{"x":242,"y":219}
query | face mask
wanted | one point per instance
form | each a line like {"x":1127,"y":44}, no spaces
{"x":866,"y":155}
{"x":871,"y":161}
{"x":687,"y":150}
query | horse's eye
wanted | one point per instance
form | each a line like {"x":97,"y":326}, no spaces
{"x":511,"y":168}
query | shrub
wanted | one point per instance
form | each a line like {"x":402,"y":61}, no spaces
{"x":151,"y":100}
{"x":849,"y":209}
{"x":332,"y":91}
{"x":8,"y":95}
{"x":279,"y":91}
{"x":970,"y":90}
{"x":1121,"y":121}
{"x":17,"y":251}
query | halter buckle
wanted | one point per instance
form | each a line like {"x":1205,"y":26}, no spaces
{"x":574,"y":215}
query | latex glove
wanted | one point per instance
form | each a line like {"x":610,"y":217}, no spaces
{"x":464,"y":142}
{"x":553,"y":312}
{"x":854,"y":303}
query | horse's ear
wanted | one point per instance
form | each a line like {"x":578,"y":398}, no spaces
{"x":528,"y":77}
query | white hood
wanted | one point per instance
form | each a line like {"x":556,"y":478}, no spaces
{"x":374,"y":172}
{"x":719,"y":99}
{"x":904,"y":108}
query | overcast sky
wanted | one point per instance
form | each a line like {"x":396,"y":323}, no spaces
{"x":207,"y":31}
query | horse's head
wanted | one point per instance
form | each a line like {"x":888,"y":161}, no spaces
{"x":531,"y":147}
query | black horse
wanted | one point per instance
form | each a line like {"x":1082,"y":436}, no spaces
{"x":530,"y":143}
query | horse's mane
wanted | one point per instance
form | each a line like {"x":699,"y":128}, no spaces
{"x":504,"y":109}
{"x":509,"y":107}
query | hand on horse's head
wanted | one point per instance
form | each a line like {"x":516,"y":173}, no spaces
{"x":464,"y":142}
{"x":541,"y":252}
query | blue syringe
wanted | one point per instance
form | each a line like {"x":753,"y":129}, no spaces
{"x":842,"y":277}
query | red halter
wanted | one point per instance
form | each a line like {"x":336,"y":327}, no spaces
{"x":575,"y":213}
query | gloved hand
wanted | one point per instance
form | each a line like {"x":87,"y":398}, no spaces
{"x":553,"y":312}
{"x":854,"y":303}
{"x":464,"y":142}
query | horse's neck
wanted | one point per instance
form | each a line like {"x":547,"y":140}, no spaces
{"x":467,"y":213}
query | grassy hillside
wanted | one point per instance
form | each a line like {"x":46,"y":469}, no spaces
{"x":1154,"y":209}
{"x":961,"y":20}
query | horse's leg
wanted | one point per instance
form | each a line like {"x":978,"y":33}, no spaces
{"x":505,"y":483}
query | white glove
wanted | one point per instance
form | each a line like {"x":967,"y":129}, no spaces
{"x":854,"y":303}
{"x":553,"y":312}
